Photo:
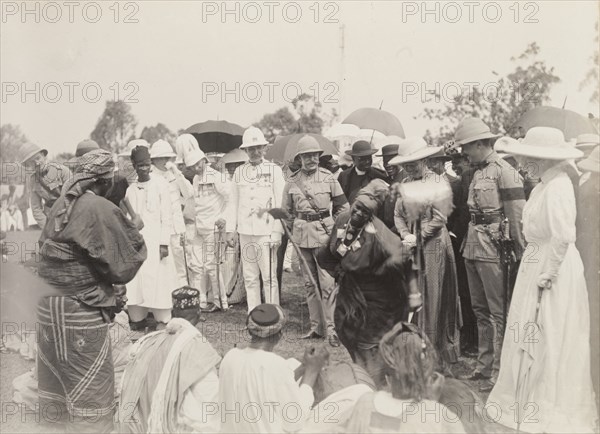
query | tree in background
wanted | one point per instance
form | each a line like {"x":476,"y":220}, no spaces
{"x":160,"y":131}
{"x":11,"y":140}
{"x":115,"y":127}
{"x":279,"y":123}
{"x":593,"y":75}
{"x":307,"y":116}
{"x":502,"y":104}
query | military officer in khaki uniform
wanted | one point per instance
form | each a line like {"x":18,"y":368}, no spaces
{"x":314,"y":197}
{"x":45,"y":181}
{"x":495,"y":194}
{"x":257,"y":186}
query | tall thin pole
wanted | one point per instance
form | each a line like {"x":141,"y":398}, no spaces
{"x":342,"y":69}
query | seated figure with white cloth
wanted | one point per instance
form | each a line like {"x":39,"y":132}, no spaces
{"x":171,"y":383}
{"x":257,"y":389}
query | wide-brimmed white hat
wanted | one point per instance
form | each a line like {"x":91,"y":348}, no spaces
{"x":503,"y":142}
{"x":587,"y":141}
{"x":592,"y":162}
{"x":544,"y":143}
{"x":414,"y":149}
{"x":253,"y":137}
{"x":162,"y":149}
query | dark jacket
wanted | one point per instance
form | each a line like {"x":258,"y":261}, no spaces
{"x":352,"y":182}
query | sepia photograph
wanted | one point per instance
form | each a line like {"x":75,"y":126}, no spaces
{"x":300,"y":216}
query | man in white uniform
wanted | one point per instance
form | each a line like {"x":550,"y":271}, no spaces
{"x":212,"y":193}
{"x":257,"y":187}
{"x":180,"y":190}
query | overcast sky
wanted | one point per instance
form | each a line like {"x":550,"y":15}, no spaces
{"x":179,"y":58}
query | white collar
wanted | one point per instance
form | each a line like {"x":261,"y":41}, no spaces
{"x":360,"y":172}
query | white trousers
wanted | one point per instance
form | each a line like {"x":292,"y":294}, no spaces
{"x":139,"y":313}
{"x":287,"y":258}
{"x":177,"y":251}
{"x":202,"y":264}
{"x":255,"y":263}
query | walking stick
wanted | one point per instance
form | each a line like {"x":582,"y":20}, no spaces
{"x":506,"y":249}
{"x":419,"y":267}
{"x":270,"y":273}
{"x":281,"y":214}
{"x":185,"y":263}
{"x":219,"y":261}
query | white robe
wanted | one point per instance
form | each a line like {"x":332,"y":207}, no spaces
{"x":258,"y":393}
{"x":561,"y":398}
{"x":156,"y":279}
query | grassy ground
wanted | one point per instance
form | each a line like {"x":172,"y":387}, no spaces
{"x":224,"y":330}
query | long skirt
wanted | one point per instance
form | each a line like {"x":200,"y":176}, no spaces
{"x":440,"y":317}
{"x":75,"y":365}
{"x":559,"y":394}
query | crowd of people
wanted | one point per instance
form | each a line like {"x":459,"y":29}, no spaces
{"x":445,"y":250}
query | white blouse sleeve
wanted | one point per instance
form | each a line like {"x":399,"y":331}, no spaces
{"x":561,"y":213}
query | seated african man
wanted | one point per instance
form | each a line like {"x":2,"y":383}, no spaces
{"x":258,"y":391}
{"x":171,"y":377}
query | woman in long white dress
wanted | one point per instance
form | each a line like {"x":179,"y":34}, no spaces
{"x":558,"y":397}
{"x":151,"y":288}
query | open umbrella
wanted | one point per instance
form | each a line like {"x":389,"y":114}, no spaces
{"x":569,"y":122}
{"x":529,"y":358}
{"x":349,"y":133}
{"x":217,"y":136}
{"x":376,"y":119}
{"x":285,"y":147}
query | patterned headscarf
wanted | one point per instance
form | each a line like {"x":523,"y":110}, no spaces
{"x":373,"y":194}
{"x":265,"y":320}
{"x":94,"y":165}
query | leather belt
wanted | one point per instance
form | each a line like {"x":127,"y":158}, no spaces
{"x":313,"y":216}
{"x":478,"y":218}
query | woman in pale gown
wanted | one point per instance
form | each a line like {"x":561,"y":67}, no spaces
{"x":440,"y":318}
{"x":559,"y":396}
